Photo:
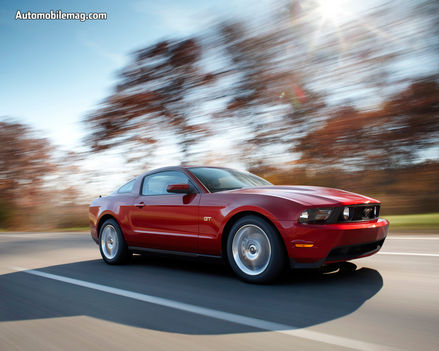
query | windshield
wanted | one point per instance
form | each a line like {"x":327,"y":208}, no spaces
{"x":220,"y":179}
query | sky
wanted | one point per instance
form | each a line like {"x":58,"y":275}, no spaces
{"x":54,"y":72}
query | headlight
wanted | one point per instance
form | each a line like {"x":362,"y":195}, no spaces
{"x":304,"y":216}
{"x":346,"y":213}
{"x":315,"y":215}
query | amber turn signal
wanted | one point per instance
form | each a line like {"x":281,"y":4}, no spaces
{"x":304,"y":245}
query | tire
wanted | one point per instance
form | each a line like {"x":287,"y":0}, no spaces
{"x":255,"y":250}
{"x":112,"y":245}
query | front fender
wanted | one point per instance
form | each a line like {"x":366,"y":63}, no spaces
{"x":218,"y":209}
{"x":248,"y":209}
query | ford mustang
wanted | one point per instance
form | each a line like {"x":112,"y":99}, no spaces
{"x":257,"y":227}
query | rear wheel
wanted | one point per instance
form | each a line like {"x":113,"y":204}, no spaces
{"x":255,"y":251}
{"x":112,"y":245}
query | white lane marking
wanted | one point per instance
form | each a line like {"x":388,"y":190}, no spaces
{"x":407,"y":254}
{"x":212,"y":313}
{"x":412,"y":237}
{"x":33,"y":235}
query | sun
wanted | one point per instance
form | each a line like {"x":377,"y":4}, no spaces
{"x":331,"y":9}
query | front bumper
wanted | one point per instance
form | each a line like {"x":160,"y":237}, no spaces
{"x":345,"y":253}
{"x":333,"y":242}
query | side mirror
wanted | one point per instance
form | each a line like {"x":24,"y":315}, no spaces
{"x":178,"y":188}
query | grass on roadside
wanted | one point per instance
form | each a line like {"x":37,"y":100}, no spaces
{"x":72,"y":229}
{"x":426,"y":221}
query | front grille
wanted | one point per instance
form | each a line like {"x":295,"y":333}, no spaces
{"x":363,"y":212}
{"x":349,"y":252}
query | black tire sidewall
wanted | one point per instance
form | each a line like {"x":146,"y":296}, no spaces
{"x":277,"y":259}
{"x":122,"y":252}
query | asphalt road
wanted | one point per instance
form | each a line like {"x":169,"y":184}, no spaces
{"x":57,"y":294}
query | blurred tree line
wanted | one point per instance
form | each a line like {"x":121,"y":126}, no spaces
{"x":36,"y":189}
{"x":296,"y":96}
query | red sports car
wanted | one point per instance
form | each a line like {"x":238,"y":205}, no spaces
{"x":255,"y":226}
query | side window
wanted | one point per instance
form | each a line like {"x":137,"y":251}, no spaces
{"x":156,"y":184}
{"x":127,"y":188}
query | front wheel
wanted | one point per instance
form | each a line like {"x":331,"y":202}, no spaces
{"x":112,"y":244}
{"x":255,"y":251}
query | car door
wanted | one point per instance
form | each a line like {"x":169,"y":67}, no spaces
{"x":163,"y":220}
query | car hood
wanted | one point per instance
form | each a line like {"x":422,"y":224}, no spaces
{"x":309,"y":195}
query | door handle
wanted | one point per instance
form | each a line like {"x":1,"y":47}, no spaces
{"x":140,"y":204}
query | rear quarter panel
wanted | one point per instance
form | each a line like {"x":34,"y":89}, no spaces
{"x":114,"y":205}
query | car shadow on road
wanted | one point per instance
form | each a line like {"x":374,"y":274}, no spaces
{"x":301,"y":299}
